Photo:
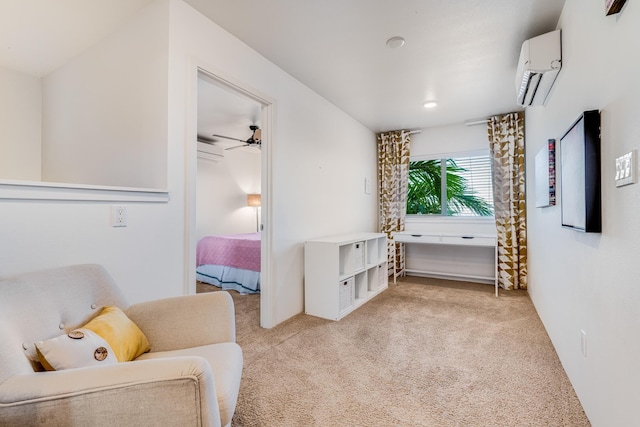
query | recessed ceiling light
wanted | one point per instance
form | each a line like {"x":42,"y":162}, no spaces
{"x":395,"y":42}
{"x":430,"y":104}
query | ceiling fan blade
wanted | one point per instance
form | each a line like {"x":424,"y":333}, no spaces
{"x":228,"y":137}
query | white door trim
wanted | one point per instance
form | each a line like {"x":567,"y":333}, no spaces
{"x":267,"y":282}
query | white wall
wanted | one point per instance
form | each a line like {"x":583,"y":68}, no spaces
{"x":320,"y":159}
{"x":103,"y":111}
{"x":221,"y":195}
{"x":320,"y":155}
{"x":145,"y":258}
{"x":449,"y":139}
{"x":583,"y":281}
{"x":20,"y":125}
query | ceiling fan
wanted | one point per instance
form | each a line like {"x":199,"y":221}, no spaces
{"x":254,"y":139}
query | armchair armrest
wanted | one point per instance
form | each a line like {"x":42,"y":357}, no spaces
{"x":186,"y":321}
{"x":172,"y":391}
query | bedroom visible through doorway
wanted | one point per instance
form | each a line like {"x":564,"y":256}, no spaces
{"x":228,"y":192}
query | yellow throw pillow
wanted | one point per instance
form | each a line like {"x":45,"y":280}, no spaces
{"x":124,"y":336}
{"x":77,"y":349}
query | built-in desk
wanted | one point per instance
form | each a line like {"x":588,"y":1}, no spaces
{"x":479,"y":240}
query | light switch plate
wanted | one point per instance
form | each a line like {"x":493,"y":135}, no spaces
{"x":626,"y":169}
{"x":367,"y":185}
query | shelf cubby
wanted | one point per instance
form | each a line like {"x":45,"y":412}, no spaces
{"x":343,"y":272}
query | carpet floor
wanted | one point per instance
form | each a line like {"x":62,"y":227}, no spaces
{"x":426,"y":352}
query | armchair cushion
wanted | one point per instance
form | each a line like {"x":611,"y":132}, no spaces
{"x":226,"y":364}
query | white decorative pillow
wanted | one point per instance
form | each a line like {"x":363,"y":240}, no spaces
{"x":78,"y":349}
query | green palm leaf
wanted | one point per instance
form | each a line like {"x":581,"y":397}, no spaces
{"x":424,"y":190}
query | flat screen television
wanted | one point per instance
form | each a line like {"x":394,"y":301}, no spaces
{"x":580,"y":174}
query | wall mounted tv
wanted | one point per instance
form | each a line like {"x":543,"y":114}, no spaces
{"x":580,"y":174}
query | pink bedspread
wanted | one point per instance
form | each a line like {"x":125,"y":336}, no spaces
{"x":233,"y":250}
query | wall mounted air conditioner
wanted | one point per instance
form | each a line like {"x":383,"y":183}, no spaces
{"x":539,"y":64}
{"x":210,"y":152}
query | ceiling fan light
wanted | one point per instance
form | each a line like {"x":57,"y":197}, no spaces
{"x":430,"y":104}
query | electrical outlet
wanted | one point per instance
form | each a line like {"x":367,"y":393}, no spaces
{"x":118,"y":216}
{"x":583,"y":342}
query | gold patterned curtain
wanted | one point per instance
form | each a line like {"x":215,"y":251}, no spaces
{"x":393,"y":172}
{"x":506,"y":142}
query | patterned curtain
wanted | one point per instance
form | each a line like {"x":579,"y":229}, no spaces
{"x":393,"y":172}
{"x":506,"y":142}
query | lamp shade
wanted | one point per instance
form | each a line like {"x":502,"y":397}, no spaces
{"x":253,"y":200}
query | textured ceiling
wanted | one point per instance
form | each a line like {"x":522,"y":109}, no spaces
{"x":463,"y":53}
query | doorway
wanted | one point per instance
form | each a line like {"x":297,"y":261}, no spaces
{"x":230,"y":172}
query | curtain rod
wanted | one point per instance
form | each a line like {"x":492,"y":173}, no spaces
{"x":411,"y":132}
{"x":476,"y":122}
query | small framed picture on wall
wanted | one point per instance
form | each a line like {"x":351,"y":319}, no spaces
{"x":613,"y":6}
{"x":545,"y":178}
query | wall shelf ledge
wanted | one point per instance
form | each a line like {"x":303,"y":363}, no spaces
{"x":33,"y":190}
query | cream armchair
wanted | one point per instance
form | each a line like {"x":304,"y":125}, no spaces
{"x":190,"y":377}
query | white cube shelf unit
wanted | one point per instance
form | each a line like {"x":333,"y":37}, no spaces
{"x":343,"y":272}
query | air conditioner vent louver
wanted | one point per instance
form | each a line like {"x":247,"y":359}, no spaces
{"x":529,"y":88}
{"x":208,"y":151}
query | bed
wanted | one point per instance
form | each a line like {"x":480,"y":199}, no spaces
{"x":230,"y":262}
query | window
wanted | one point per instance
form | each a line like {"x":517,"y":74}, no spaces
{"x":466,"y":189}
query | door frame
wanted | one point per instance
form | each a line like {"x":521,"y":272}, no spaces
{"x":267,"y":288}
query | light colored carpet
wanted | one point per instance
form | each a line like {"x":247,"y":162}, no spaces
{"x":426,"y":352}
